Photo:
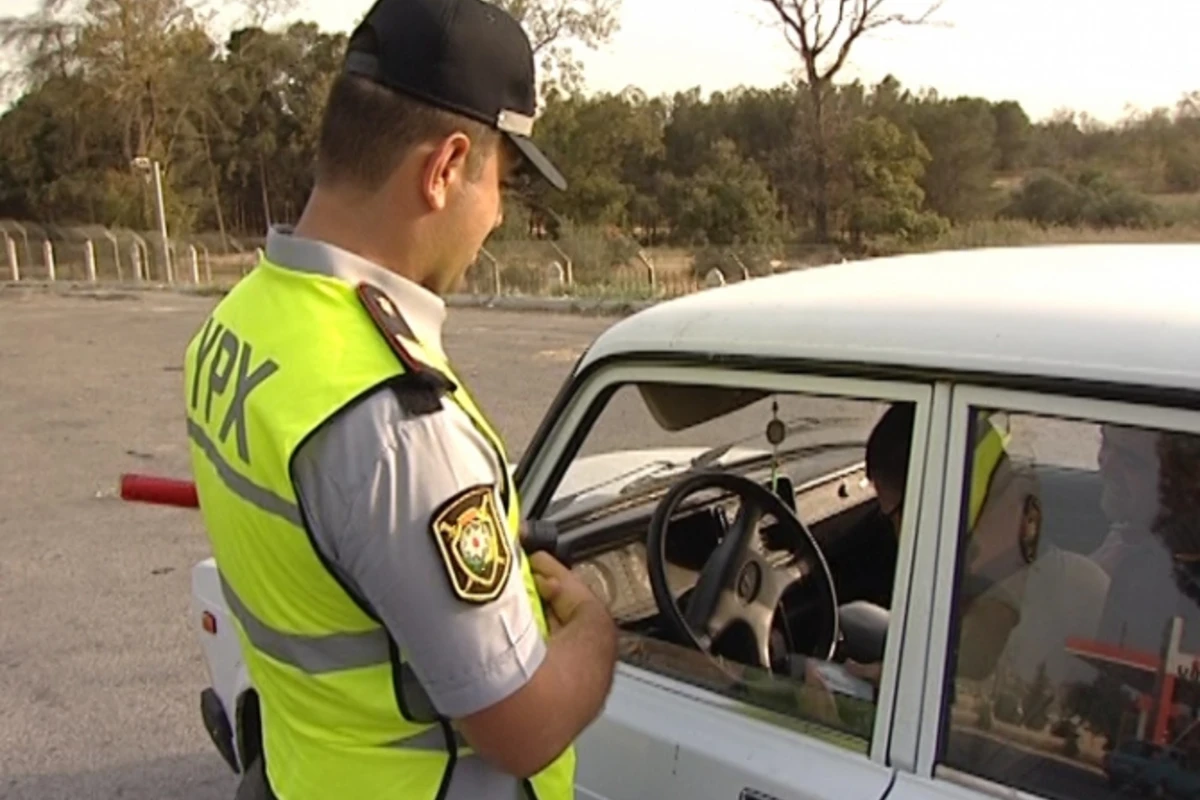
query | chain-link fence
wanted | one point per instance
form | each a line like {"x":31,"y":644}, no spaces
{"x":587,"y":263}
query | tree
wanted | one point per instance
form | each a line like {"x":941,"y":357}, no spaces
{"x":609,"y":147}
{"x":961,"y":136}
{"x":41,"y":43}
{"x":885,"y":165}
{"x":261,"y":12}
{"x":1013,"y":134}
{"x":113,"y":81}
{"x":822,"y":32}
{"x":555,"y":27}
{"x":727,"y":201}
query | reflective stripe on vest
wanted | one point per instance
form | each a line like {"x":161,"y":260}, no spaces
{"x":342,"y":715}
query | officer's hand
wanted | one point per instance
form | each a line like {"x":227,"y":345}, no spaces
{"x":559,"y":588}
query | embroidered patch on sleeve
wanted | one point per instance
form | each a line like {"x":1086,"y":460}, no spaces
{"x":473,"y":545}
{"x":1030,"y":532}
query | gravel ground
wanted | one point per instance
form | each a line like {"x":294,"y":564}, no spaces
{"x":99,"y":673}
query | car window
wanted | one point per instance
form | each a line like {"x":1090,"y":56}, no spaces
{"x":646,"y":437}
{"x":1077,"y":610}
{"x":651,"y":431}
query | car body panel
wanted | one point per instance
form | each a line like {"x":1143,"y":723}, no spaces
{"x":684,"y":742}
{"x":1122,"y":313}
{"x":223,"y":660}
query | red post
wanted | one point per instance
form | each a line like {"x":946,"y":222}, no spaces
{"x":162,"y":491}
{"x":1166,"y":700}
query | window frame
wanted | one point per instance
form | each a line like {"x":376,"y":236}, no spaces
{"x":965,"y":399}
{"x":584,"y":398}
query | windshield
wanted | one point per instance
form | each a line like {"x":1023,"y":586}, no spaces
{"x":633,"y":450}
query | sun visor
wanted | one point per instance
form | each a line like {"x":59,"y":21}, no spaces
{"x":677,"y":407}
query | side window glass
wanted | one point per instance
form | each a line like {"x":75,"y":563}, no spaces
{"x":765,"y":637}
{"x":1075,"y":650}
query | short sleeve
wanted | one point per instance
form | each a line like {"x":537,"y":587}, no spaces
{"x":406,"y":506}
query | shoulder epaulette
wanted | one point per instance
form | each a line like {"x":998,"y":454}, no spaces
{"x":399,"y":336}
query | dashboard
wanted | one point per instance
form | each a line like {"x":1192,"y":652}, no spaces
{"x":620,"y":579}
{"x":620,"y":576}
{"x":610,"y":555}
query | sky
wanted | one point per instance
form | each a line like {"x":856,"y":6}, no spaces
{"x":1091,"y":55}
{"x":1098,"y":56}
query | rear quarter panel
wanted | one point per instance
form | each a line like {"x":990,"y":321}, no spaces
{"x":222,"y":653}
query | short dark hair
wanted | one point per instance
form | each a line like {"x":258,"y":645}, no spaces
{"x":367,"y":129}
{"x":889,"y":444}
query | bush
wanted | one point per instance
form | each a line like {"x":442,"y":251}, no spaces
{"x":1108,"y":204}
{"x":1183,"y":169}
{"x":926,"y":226}
{"x":1092,"y":198}
{"x":517,"y":220}
{"x":1049,"y":199}
{"x":594,"y":252}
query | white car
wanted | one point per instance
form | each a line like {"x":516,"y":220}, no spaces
{"x":1018,"y":635}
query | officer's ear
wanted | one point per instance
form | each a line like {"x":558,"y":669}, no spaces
{"x":445,"y":168}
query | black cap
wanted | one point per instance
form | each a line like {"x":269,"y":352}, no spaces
{"x":465,"y":56}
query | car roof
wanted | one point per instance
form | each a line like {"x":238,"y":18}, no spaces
{"x":1111,"y":313}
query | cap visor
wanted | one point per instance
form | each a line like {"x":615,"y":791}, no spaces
{"x":538,"y":161}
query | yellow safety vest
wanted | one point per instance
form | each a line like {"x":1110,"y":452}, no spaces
{"x":991,"y":446}
{"x":282,"y":353}
{"x":1003,"y":525}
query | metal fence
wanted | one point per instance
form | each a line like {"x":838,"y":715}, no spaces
{"x":600,"y":263}
{"x":35,"y":251}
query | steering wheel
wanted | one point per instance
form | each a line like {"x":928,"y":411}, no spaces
{"x":736,"y":583}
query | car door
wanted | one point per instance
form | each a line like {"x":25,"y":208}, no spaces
{"x":729,"y":748}
{"x":676,"y":726}
{"x":669,"y":731}
{"x":619,"y":754}
{"x":1095,"y":668}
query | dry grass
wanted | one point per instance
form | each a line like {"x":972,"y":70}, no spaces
{"x":1180,"y":209}
{"x":1017,"y":233}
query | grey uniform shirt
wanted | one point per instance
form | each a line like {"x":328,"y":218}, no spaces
{"x":370,"y":483}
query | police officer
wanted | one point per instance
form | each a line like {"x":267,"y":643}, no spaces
{"x":360,"y":507}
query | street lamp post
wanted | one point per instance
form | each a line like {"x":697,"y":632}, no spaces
{"x":146,"y":165}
